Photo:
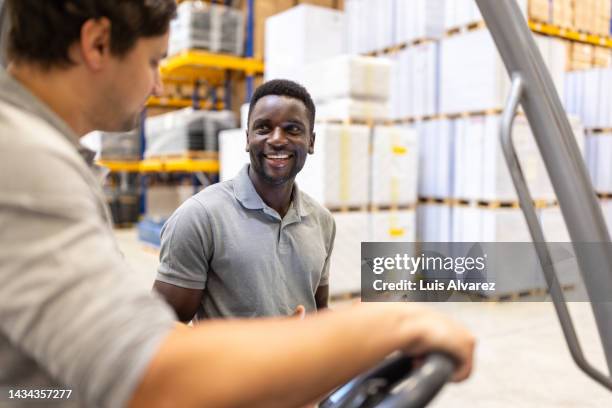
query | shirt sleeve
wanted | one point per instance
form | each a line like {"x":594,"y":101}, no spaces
{"x":325,"y":273}
{"x":186,"y":247}
{"x":67,"y":298}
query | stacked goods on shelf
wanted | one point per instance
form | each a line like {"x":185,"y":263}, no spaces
{"x":394,"y":166}
{"x":120,"y":146}
{"x":562,"y":13}
{"x":480,"y":171}
{"x":588,"y":97}
{"x":585,"y":56}
{"x":337,"y":174}
{"x":414,"y":84}
{"x":539,"y":10}
{"x":592,"y":16}
{"x":459,"y":13}
{"x":211,"y":27}
{"x":391,"y":22}
{"x":349,"y":87}
{"x":345,"y":269}
{"x":435,"y":158}
{"x":293,"y":41}
{"x":434,"y":222}
{"x":265,"y":9}
{"x":186,"y":130}
{"x":481,"y":81}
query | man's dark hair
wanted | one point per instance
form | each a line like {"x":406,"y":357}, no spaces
{"x":284,"y":87}
{"x":41,"y":32}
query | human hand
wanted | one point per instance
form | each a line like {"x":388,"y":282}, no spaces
{"x":437,"y":332}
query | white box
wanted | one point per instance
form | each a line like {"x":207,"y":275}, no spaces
{"x":435,"y":158}
{"x":349,"y":76}
{"x":345,"y":268}
{"x":480,"y":81}
{"x":434,"y":223}
{"x":419,"y":19}
{"x":293,"y":39}
{"x":395,"y":156}
{"x":337,"y":174}
{"x":415,"y":83}
{"x":504,"y":225}
{"x":393,"y":226}
{"x":232,"y":153}
{"x":353,"y":109}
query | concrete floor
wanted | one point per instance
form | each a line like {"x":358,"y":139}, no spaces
{"x":522,"y":359}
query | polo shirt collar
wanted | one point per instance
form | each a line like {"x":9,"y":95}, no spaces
{"x":14,"y":93}
{"x":245,"y":193}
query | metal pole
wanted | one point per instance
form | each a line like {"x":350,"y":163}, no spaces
{"x":561,"y":156}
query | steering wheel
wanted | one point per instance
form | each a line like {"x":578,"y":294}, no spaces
{"x":394,"y":383}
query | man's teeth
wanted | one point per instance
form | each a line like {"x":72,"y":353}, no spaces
{"x":277,"y":156}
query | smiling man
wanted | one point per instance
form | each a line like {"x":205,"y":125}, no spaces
{"x":254,"y":245}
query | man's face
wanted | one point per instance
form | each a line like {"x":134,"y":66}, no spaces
{"x":278,"y":138}
{"x":128,"y":82}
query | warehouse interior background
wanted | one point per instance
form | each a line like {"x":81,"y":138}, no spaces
{"x":408,"y":96}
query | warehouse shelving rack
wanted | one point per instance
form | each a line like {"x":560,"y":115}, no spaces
{"x":194,"y":68}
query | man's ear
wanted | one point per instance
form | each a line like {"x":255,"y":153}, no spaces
{"x":95,"y":42}
{"x":312,"y":143}
{"x":246,"y":148}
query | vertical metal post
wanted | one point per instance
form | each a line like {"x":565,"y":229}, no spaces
{"x":195,"y":96}
{"x":250,"y":43}
{"x":560,"y":153}
{"x":143,"y":178}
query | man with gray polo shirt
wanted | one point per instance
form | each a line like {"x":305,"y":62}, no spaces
{"x":254,"y":245}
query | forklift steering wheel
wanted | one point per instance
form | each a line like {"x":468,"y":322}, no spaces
{"x":394,"y":383}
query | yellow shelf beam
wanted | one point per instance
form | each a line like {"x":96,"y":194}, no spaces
{"x":177,"y":165}
{"x":129,"y":166}
{"x":554,"y":31}
{"x":191,"y":65}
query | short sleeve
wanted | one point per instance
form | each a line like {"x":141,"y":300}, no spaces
{"x":325,"y":273}
{"x":186,"y":247}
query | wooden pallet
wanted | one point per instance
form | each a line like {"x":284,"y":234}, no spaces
{"x":597,"y":131}
{"x":392,"y":207}
{"x":348,"y":209}
{"x":460,"y":202}
{"x":477,"y":25}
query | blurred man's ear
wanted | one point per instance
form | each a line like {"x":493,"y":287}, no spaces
{"x":94,"y":44}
